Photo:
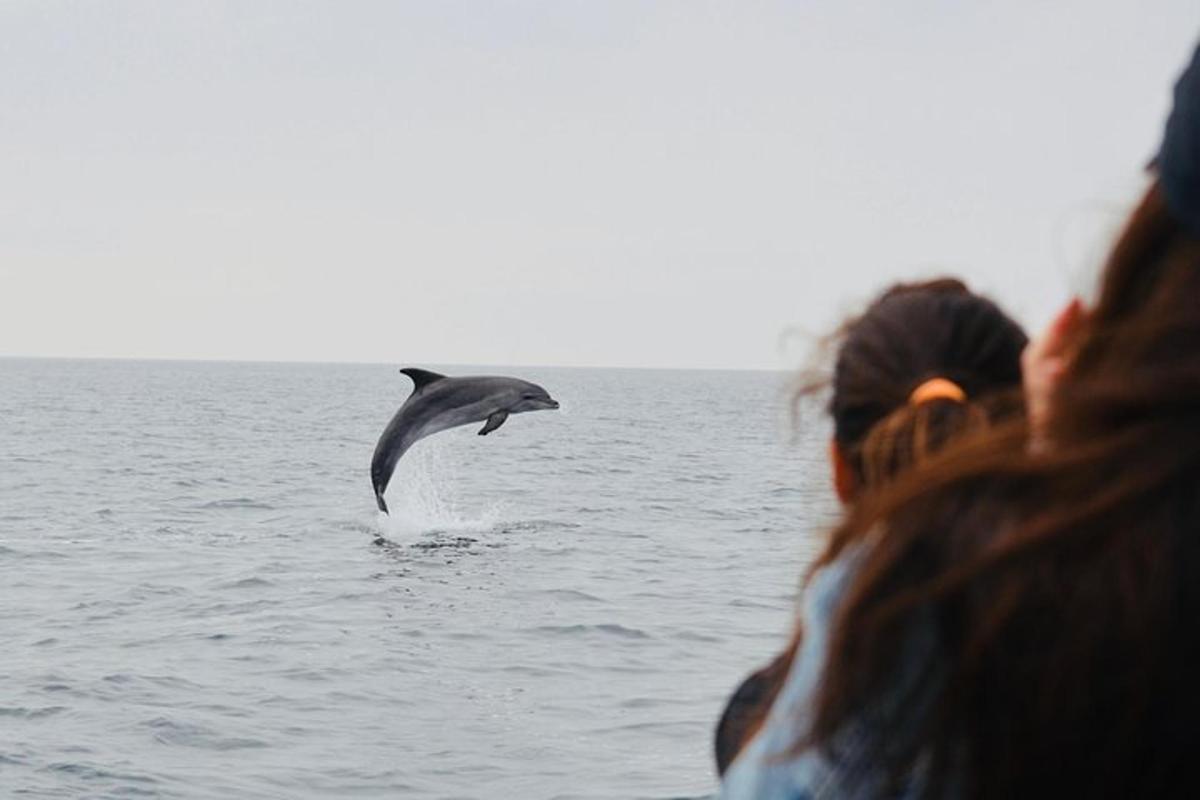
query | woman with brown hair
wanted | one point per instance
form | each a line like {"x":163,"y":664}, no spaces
{"x":926,"y":362}
{"x":1017,"y":618}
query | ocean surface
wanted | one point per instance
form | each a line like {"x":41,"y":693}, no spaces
{"x":200,"y":599}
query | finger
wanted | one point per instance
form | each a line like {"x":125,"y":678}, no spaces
{"x":1061,"y":330}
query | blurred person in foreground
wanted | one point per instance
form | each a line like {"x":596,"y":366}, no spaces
{"x":1017,"y":617}
{"x":924,"y":363}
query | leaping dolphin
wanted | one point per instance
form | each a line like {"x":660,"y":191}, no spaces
{"x":438,"y":403}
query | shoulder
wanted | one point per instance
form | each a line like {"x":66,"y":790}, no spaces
{"x":768,"y":767}
{"x":772,"y":765}
{"x":747,"y":708}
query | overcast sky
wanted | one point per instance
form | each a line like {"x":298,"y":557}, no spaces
{"x":557,"y":183}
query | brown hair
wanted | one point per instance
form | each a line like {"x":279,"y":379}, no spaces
{"x":914,"y":332}
{"x":1063,"y":583}
{"x":909,"y":334}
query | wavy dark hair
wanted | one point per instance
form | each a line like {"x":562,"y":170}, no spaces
{"x":1064,"y":581}
{"x":914,"y":332}
{"x":910,"y":333}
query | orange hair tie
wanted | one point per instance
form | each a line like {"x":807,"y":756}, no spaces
{"x":937,"y":389}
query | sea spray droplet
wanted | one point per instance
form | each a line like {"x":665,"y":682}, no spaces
{"x":427,"y":495}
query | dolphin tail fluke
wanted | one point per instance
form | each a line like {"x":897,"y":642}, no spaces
{"x":379,"y":501}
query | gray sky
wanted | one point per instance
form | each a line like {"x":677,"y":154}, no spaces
{"x":580,"y":183}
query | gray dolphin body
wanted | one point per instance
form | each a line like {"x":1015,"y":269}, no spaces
{"x":439,"y":403}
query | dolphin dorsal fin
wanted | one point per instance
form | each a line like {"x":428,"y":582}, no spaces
{"x":421,"y":377}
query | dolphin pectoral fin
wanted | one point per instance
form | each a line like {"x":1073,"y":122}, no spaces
{"x":380,"y":502}
{"x":493,"y":422}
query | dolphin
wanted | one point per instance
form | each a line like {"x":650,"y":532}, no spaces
{"x":438,"y":403}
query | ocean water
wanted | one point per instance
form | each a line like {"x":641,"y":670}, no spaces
{"x":200,"y":600}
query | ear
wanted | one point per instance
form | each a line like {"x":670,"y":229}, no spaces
{"x":843,"y":476}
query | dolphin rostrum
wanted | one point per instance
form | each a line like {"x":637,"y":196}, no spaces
{"x":438,"y":403}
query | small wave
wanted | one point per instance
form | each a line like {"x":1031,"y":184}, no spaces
{"x":560,"y":551}
{"x":455,"y":543}
{"x":609,"y":628}
{"x":703,"y":478}
{"x":741,"y":602}
{"x":526,"y":670}
{"x":693,"y":636}
{"x":22,"y":712}
{"x":635,"y":703}
{"x":356,"y":526}
{"x":572,"y":594}
{"x":237,"y":502}
{"x":538,"y":525}
{"x":312,"y":674}
{"x":88,"y":772}
{"x":187,"y":734}
{"x":681,"y":727}
{"x":160,"y":681}
{"x":247,"y":583}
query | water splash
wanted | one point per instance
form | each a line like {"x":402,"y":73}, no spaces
{"x":426,"y":495}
